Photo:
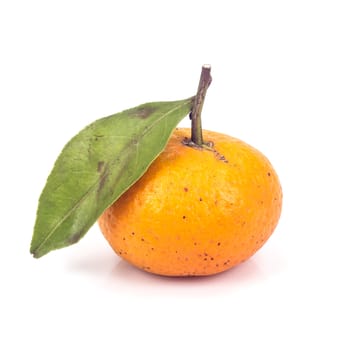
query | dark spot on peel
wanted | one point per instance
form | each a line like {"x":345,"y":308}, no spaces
{"x":220,"y":156}
{"x":185,"y":189}
{"x":210,"y":144}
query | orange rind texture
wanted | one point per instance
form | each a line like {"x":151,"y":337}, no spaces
{"x":196,"y":211}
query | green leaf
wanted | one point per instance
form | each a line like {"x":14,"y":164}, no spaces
{"x":97,"y":166}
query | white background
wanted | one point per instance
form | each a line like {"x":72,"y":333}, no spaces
{"x":281,"y":82}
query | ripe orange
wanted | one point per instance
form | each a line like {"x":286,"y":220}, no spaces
{"x":196,"y":211}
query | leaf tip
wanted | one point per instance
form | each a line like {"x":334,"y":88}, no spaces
{"x":34,"y":255}
{"x":35,"y":252}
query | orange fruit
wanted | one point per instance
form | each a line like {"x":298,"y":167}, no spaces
{"x":196,"y":211}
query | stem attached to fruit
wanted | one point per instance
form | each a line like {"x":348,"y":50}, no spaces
{"x":196,"y":122}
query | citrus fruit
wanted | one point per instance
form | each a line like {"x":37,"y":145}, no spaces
{"x":197,"y":210}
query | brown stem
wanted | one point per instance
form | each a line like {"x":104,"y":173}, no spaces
{"x":196,"y":122}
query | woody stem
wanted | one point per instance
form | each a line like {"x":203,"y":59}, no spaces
{"x":196,"y":122}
